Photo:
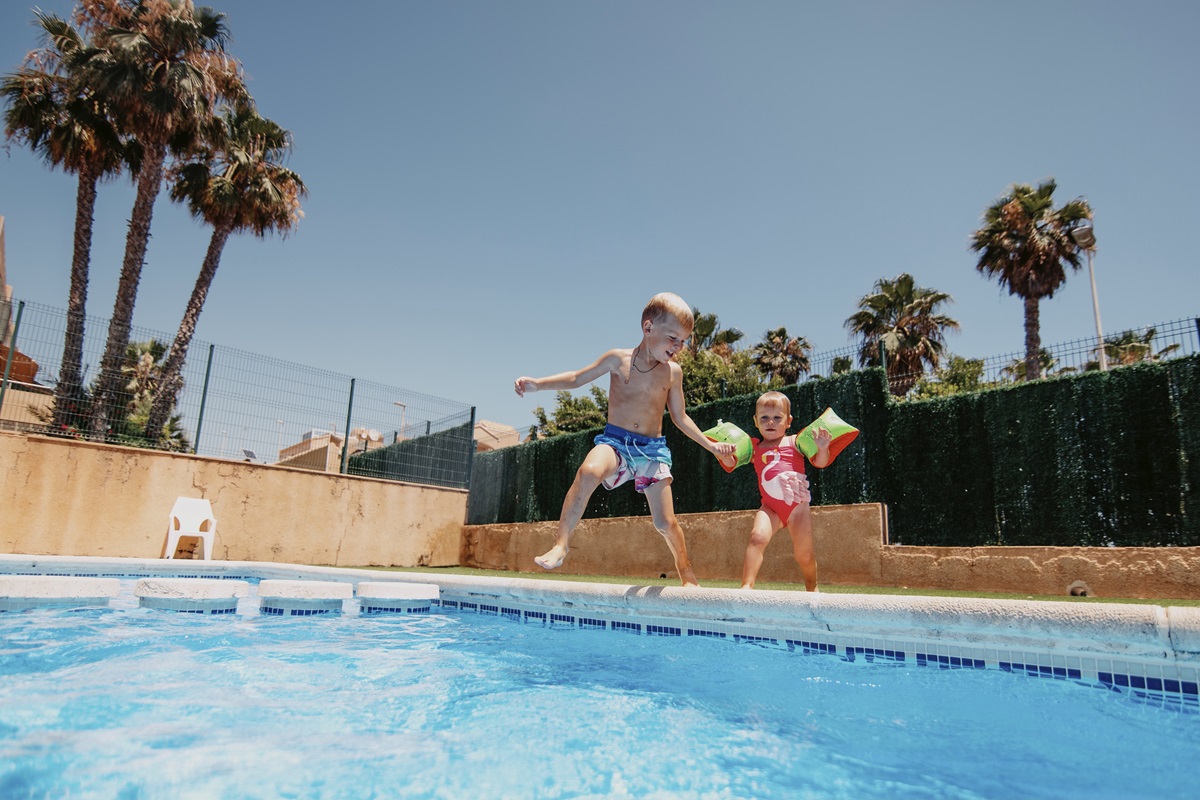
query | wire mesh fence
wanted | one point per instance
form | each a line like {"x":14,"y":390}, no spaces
{"x":1149,"y":343}
{"x":235,"y":405}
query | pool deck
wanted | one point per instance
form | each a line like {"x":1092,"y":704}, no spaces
{"x":1122,"y":646}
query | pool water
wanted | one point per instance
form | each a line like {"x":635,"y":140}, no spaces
{"x":132,"y":703}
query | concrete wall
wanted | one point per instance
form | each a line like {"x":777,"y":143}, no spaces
{"x":851,"y":544}
{"x":848,"y":541}
{"x":66,"y":497}
{"x":1148,"y":572}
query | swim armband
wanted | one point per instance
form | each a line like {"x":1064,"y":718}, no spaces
{"x":728,"y":433}
{"x":843,"y":433}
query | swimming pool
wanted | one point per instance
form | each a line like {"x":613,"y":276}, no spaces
{"x":128,"y":702}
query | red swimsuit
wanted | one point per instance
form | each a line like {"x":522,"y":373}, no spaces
{"x":781,"y":495}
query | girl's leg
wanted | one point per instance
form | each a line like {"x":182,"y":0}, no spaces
{"x":601,"y":462}
{"x":662,"y":509}
{"x":800,"y":526}
{"x":766,"y":522}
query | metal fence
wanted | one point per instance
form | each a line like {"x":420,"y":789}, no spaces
{"x":248,"y":407}
{"x":1157,"y":342}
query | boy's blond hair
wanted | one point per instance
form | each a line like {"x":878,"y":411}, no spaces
{"x":775,"y":399}
{"x":668,"y":304}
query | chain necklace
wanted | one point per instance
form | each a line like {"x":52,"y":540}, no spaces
{"x":633,"y":363}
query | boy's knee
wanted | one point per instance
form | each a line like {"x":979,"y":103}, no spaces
{"x":588,"y":475}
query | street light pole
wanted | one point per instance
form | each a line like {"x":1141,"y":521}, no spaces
{"x":403,"y":411}
{"x":1085,"y":237}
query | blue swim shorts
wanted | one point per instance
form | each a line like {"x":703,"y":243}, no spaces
{"x":646,"y":459}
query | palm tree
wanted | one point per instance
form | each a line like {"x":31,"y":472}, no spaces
{"x":65,"y":121}
{"x":239,"y":186}
{"x":1024,"y":243}
{"x":782,"y":357}
{"x":1128,"y":347}
{"x":162,"y":67}
{"x":902,"y":318}
{"x":1017,"y":369}
{"x":707,"y":333}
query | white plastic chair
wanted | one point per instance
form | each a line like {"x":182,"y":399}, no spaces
{"x":191,"y":516}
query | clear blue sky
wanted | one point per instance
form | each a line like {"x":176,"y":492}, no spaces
{"x":497,"y":188}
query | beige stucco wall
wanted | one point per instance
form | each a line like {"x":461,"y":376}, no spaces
{"x":1149,"y":572}
{"x":65,"y":497}
{"x":848,"y":541}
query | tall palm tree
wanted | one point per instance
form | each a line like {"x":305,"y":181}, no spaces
{"x":782,"y":357}
{"x":239,"y":186}
{"x":162,"y":67}
{"x":65,"y":121}
{"x":902,"y":317}
{"x":1024,"y":243}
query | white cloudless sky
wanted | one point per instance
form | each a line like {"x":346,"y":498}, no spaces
{"x":496,"y":189}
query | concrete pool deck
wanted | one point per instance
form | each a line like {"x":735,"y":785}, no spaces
{"x":1123,"y":646}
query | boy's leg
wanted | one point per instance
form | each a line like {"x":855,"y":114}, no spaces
{"x":761,"y":530}
{"x":601,"y":462}
{"x":800,"y":526}
{"x":662,"y":510}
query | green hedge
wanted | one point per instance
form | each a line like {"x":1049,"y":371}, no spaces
{"x":1094,"y":459}
{"x":439,"y":459}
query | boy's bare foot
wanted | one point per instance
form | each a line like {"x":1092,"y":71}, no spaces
{"x":747,"y":586}
{"x":552,"y":558}
{"x":688,"y":578}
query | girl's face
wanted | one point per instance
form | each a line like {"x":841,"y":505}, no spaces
{"x":771,"y":420}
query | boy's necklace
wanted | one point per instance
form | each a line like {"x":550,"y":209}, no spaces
{"x":633,"y":362}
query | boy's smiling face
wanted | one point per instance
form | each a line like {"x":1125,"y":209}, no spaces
{"x":664,"y":338}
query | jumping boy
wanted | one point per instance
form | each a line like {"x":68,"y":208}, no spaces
{"x":783,"y":488}
{"x":642,"y":382}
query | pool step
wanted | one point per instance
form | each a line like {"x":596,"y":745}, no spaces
{"x":302,"y":598}
{"x":377,"y":597}
{"x":23,"y":592}
{"x":191,"y":595}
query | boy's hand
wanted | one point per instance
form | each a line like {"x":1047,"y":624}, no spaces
{"x":724,"y":451}
{"x":524,"y":384}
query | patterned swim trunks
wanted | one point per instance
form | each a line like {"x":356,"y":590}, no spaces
{"x":646,"y":459}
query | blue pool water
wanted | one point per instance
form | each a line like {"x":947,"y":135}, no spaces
{"x":131,"y":703}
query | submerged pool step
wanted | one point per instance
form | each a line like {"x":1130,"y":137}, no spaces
{"x":23,"y":592}
{"x":378,"y":597}
{"x":191,"y":595}
{"x":302,"y":598}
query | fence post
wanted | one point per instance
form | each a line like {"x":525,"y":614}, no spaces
{"x":12,"y":352}
{"x":470,"y":454}
{"x":1197,"y":321}
{"x":203,"y":400}
{"x":346,"y":439}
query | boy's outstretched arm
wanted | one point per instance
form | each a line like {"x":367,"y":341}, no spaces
{"x":569,"y":380}
{"x":678,"y":409}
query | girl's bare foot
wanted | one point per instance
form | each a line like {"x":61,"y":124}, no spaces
{"x":552,"y":558}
